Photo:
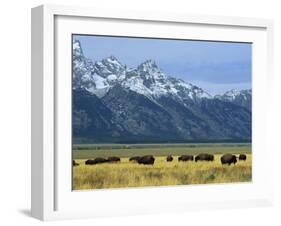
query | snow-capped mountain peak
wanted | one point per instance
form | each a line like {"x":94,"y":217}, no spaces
{"x":147,"y":79}
{"x":109,"y":66}
{"x":77,"y":50}
{"x":239,"y":97}
{"x":148,"y":65}
{"x":233,"y":94}
{"x":112,"y":61}
{"x":145,"y":104}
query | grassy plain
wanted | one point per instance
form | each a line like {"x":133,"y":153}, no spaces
{"x":162,"y":173}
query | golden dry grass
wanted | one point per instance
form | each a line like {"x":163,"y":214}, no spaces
{"x":162,"y":173}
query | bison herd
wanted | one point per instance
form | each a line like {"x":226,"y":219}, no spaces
{"x":149,"y":159}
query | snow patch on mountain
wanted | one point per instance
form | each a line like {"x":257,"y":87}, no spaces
{"x":233,"y":94}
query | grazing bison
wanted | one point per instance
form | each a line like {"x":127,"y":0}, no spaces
{"x":134,"y":158}
{"x":242,"y":157}
{"x":169,"y":158}
{"x":113,"y":159}
{"x":74,"y":163}
{"x":95,"y":161}
{"x":204,"y":157}
{"x":185,"y":158}
{"x":90,"y":162}
{"x":228,"y":159}
{"x":146,"y":160}
{"x":100,"y":160}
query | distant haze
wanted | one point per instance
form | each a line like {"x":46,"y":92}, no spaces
{"x":214,"y":66}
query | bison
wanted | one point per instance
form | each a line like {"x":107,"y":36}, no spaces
{"x":204,"y":157}
{"x":185,"y":158}
{"x":242,"y":157}
{"x":90,"y":162}
{"x":228,"y":159}
{"x":113,"y":159}
{"x":169,"y":158}
{"x":74,"y":163}
{"x":95,"y":161}
{"x":146,"y":160}
{"x":134,"y":158}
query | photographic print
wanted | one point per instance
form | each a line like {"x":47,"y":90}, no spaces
{"x":160,"y":112}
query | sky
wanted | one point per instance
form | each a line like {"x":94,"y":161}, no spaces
{"x":214,"y":66}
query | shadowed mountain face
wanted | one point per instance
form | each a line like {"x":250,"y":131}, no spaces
{"x":113,"y":103}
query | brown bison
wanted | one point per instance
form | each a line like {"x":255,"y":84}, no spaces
{"x":134,"y":158}
{"x":74,"y":163}
{"x":242,"y":157}
{"x":146,"y":160}
{"x":169,"y":158}
{"x":95,"y":161}
{"x":228,"y":159}
{"x":113,"y":159}
{"x":185,"y":158}
{"x":204,"y":157}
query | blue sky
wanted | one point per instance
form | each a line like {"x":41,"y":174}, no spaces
{"x":213,"y":66}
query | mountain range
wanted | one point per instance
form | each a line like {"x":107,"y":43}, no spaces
{"x":113,"y":103}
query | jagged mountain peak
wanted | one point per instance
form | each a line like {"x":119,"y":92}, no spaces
{"x":147,"y":79}
{"x":109,"y":67}
{"x":77,"y":50}
{"x":234,"y":93}
{"x":239,"y":97}
{"x":150,"y":63}
{"x":76,"y":44}
{"x":112,"y":60}
{"x":149,"y":66}
{"x":142,"y":103}
{"x":112,"y":57}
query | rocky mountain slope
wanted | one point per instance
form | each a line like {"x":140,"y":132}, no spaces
{"x":241,"y":98}
{"x":114,"y":103}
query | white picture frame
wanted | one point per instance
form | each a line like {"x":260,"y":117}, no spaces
{"x":52,"y":197}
